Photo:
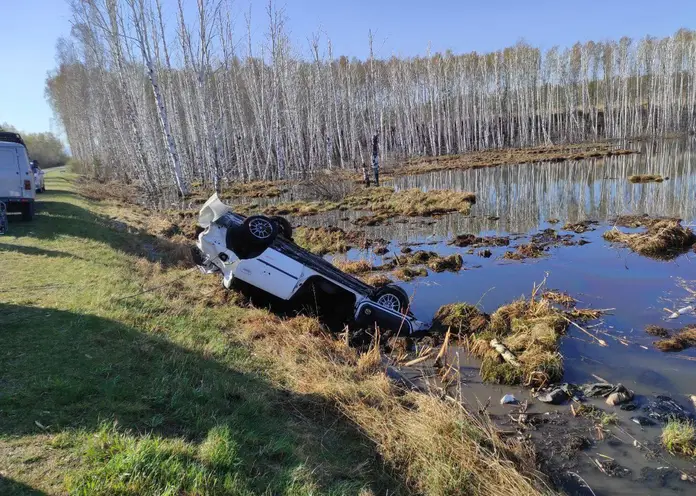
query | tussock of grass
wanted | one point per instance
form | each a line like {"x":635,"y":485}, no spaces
{"x":384,"y":203}
{"x":658,"y":331}
{"x":559,"y":297}
{"x":494,"y":158}
{"x":646,"y":178}
{"x":529,"y":250}
{"x":596,"y":414}
{"x":580,"y":227}
{"x":679,"y":437}
{"x":531,"y":330}
{"x":408,"y":273}
{"x":663,"y":239}
{"x":469,"y":240}
{"x":325,"y":240}
{"x":681,"y":340}
{"x":461,"y":318}
{"x":452,"y":263}
{"x":378,"y":280}
{"x":439,"y":447}
{"x":353,"y":266}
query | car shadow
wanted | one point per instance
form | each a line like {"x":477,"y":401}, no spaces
{"x":61,"y":371}
{"x":9,"y":487}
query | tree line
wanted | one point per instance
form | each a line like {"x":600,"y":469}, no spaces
{"x":172,"y":105}
{"x":46,"y":148}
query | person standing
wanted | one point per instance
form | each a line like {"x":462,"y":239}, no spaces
{"x":375,"y":156}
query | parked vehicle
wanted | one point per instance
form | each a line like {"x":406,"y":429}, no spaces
{"x":17,"y":189}
{"x":39,"y":174}
{"x":259,"y":251}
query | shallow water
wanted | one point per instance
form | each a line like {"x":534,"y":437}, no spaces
{"x":598,"y":274}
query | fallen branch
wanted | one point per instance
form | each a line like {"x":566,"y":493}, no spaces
{"x":417,"y":360}
{"x":505,"y":353}
{"x":443,"y":349}
{"x":600,"y":341}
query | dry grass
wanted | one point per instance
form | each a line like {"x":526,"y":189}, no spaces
{"x":580,"y":227}
{"x":657,"y":331}
{"x":408,"y":273}
{"x":663,"y":239}
{"x":353,"y":266}
{"x":531,"y":330}
{"x":384,"y":204}
{"x":559,"y":297}
{"x":470,"y":240}
{"x":681,"y":340}
{"x":510,"y":156}
{"x":529,"y":250}
{"x":378,"y":280}
{"x":646,"y":178}
{"x":461,"y":318}
{"x":120,"y":192}
{"x":325,"y":240}
{"x":440,"y":448}
{"x":254,"y":189}
{"x":679,"y":437}
{"x":452,"y":263}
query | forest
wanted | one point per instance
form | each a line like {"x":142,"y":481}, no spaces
{"x":169,"y":106}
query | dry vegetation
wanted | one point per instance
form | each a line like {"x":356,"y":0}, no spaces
{"x":663,"y":238}
{"x":680,"y":340}
{"x":646,"y":178}
{"x":328,"y":240}
{"x":408,"y":273}
{"x":440,"y":448}
{"x":494,"y":158}
{"x":384,"y":203}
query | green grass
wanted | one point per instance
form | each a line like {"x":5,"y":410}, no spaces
{"x":109,"y":387}
{"x":679,"y":437}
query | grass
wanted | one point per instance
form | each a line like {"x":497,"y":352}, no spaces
{"x":663,"y":238}
{"x":408,"y":273}
{"x":383,"y":203}
{"x":126,"y":372}
{"x":327,"y":240}
{"x":646,"y":178}
{"x":679,"y":437}
{"x":679,"y":341}
{"x":509,"y":156}
{"x":107,"y":389}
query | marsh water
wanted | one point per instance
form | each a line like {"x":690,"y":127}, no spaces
{"x":519,"y":200}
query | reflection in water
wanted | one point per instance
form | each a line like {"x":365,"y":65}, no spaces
{"x":524,"y":196}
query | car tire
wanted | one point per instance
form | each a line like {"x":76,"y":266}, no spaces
{"x":260,"y":230}
{"x":28,"y":211}
{"x":393,"y":298}
{"x":284,"y":226}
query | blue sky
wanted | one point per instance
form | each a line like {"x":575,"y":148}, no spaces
{"x":402,"y":27}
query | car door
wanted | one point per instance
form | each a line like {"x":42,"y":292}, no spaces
{"x":10,"y":179}
{"x":272,"y":272}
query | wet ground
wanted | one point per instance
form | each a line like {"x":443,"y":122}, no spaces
{"x":519,"y":201}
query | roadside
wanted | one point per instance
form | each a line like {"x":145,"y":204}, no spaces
{"x":124,"y":370}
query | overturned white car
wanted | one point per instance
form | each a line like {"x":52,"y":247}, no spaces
{"x":259,"y":251}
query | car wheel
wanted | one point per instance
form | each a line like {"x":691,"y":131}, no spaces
{"x":284,"y":227}
{"x":260,"y":230}
{"x":393,"y":298}
{"x":28,"y":211}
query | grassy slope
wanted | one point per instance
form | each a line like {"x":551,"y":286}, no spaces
{"x":101,"y":394}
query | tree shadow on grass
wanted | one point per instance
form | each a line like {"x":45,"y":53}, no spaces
{"x":54,"y":219}
{"x":33,"y":251}
{"x":62,"y":371}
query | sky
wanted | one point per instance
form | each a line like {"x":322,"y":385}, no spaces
{"x":29,"y":30}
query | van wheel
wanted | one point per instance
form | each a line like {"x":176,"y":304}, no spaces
{"x":260,"y":230}
{"x":284,"y":227}
{"x":28,"y":211}
{"x":393,"y":298}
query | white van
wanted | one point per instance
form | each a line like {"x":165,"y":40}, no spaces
{"x":17,"y":189}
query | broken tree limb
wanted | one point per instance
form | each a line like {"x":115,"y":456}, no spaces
{"x":504,"y":352}
{"x":416,"y":361}
{"x":443,"y":349}
{"x":600,"y":341}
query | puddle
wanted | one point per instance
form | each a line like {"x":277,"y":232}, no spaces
{"x":598,"y":275}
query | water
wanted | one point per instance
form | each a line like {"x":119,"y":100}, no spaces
{"x":598,"y":274}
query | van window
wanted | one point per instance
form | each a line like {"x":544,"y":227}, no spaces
{"x":8,"y":158}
